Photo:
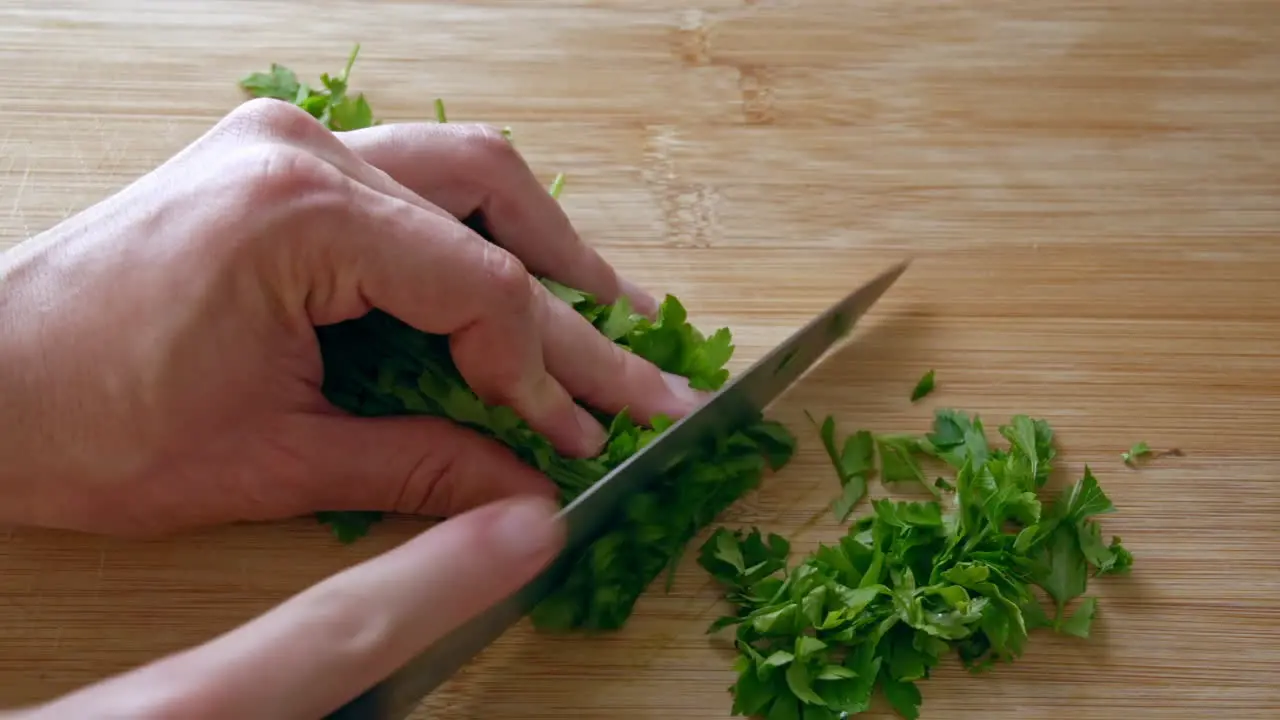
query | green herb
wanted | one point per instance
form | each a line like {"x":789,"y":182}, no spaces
{"x":854,"y":464}
{"x":1138,"y":450}
{"x":923,"y":387}
{"x":1142,"y":449}
{"x":911,"y":582}
{"x":377,"y":365}
{"x":898,"y":460}
{"x":330,"y":103}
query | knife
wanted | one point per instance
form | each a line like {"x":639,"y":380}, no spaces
{"x":739,"y":401}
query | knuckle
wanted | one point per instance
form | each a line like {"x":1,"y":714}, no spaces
{"x":617,"y":370}
{"x":506,"y":278}
{"x":498,"y":377}
{"x":498,"y":374}
{"x":488,"y":142}
{"x":278,"y":173}
{"x":268,"y":117}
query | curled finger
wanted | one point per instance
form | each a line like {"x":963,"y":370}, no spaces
{"x":467,"y":169}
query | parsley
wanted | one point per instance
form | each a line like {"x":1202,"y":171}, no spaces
{"x":911,"y":582}
{"x":854,"y":464}
{"x":923,"y":387}
{"x":376,"y":365}
{"x":1138,"y":450}
{"x":330,"y":103}
{"x":1142,"y":449}
{"x":557,"y":185}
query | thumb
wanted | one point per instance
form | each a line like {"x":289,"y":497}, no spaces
{"x":418,"y":465}
{"x":328,"y":644}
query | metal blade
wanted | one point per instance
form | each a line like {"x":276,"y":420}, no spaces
{"x":740,"y":401}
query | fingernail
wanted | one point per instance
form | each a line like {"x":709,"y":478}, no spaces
{"x":686,"y":395}
{"x":527,"y":527}
{"x":642,"y":301}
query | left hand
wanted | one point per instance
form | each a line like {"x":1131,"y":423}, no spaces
{"x":321,"y":648}
{"x":158,"y":360}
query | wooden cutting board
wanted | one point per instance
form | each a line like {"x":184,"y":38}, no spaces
{"x":1091,"y":191}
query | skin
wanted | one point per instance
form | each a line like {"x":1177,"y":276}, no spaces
{"x":160,"y":373}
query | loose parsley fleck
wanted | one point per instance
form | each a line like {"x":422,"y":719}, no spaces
{"x":557,"y":185}
{"x":1138,"y":450}
{"x":377,"y":365}
{"x":1142,"y":449}
{"x":923,"y":387}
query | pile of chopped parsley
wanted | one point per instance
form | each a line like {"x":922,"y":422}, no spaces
{"x":908,"y":584}
{"x":377,"y":365}
{"x":913,"y":581}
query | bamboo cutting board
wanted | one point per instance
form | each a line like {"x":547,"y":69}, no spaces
{"x":1091,"y":192}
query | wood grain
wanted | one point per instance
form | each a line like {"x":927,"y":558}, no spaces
{"x":1091,"y":192}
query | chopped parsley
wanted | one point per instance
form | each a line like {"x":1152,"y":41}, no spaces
{"x":923,"y":387}
{"x":912,"y":582}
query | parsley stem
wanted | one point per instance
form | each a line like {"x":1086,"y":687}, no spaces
{"x":351,"y":61}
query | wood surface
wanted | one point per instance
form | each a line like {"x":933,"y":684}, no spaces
{"x":1090,"y":190}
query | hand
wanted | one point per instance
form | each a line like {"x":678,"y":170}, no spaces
{"x":159,"y":366}
{"x":308,"y":656}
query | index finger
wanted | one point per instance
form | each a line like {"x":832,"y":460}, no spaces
{"x":465,"y":169}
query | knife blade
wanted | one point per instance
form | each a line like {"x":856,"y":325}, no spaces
{"x":739,"y":401}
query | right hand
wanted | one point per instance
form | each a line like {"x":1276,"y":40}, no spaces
{"x":306,"y":657}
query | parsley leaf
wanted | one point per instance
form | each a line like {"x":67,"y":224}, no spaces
{"x":376,"y":365}
{"x":903,"y":695}
{"x":854,"y":464}
{"x":279,"y":82}
{"x":897,"y":460}
{"x":1139,"y":449}
{"x":923,"y":387}
{"x":1142,"y":449}
{"x":1082,"y":620}
{"x":955,"y":438}
{"x":330,"y":103}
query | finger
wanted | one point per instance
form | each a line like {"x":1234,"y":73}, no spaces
{"x":324,"y":646}
{"x":465,"y":169}
{"x":605,"y":375}
{"x":418,"y":465}
{"x":432,"y":272}
{"x":468,"y":168}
